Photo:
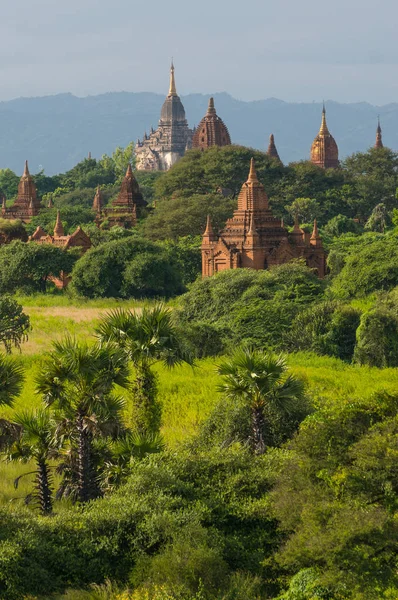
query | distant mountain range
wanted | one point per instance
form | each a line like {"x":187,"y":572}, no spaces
{"x":56,"y":132}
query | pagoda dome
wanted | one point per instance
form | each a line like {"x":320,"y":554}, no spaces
{"x":172,"y":109}
{"x":211,"y":130}
{"x":324,"y":150}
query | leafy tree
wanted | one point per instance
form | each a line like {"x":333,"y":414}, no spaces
{"x":14,"y":323}
{"x":185,"y":252}
{"x":71,"y":216}
{"x":100,"y":271}
{"x":79,"y":381}
{"x":9,"y":182}
{"x":377,"y":339}
{"x":29,"y":266}
{"x":186,"y":216}
{"x":148,"y":275}
{"x":307,"y":209}
{"x":374,"y":174}
{"x":37,"y":441}
{"x":12,"y":229}
{"x":378,"y":219}
{"x":88,"y":174}
{"x":119,"y":161}
{"x":11,"y":382}
{"x":341,"y":224}
{"x":374,"y":266}
{"x":259,"y":380}
{"x":145,"y":338}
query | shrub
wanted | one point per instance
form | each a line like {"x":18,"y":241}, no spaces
{"x":377,"y":339}
{"x":148,"y":275}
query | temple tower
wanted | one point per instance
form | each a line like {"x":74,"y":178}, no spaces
{"x":324,"y":150}
{"x":271,"y":150}
{"x":59,"y":228}
{"x":211,"y":130}
{"x":162,"y":148}
{"x":379,"y":140}
{"x":253,"y":238}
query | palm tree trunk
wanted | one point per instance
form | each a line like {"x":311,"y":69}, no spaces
{"x":83,"y":461}
{"x":258,"y":424}
{"x":44,"y":488}
{"x":146,"y":411}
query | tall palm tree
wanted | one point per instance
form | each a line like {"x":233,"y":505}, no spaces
{"x":79,"y":381}
{"x":146,"y":338}
{"x":37,"y":441}
{"x":11,"y":381}
{"x":260,"y":380}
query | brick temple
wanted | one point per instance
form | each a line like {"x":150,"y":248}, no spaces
{"x":126,"y":208}
{"x":27,"y":204}
{"x":78,"y":239}
{"x":324,"y":150}
{"x":253,"y":238}
{"x":211,"y":130}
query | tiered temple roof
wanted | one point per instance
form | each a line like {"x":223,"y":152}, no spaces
{"x":27,"y":204}
{"x":324,"y":150}
{"x":211,"y":130}
{"x":164,"y":147}
{"x":126,"y":207}
{"x":253,"y":238}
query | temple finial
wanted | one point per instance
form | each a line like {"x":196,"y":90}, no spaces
{"x":271,"y":150}
{"x":296,"y":222}
{"x":26,"y":170}
{"x":315,"y":232}
{"x":324,"y":128}
{"x":209,"y":233}
{"x":210,"y":108}
{"x":252,"y":173}
{"x":129,"y":172}
{"x":172,"y":88}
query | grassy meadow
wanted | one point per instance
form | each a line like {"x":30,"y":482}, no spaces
{"x":188,"y":393}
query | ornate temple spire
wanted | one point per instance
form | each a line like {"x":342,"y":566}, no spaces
{"x":209,"y":235}
{"x":379,"y":140}
{"x":271,"y":150}
{"x":296,"y":226}
{"x":59,"y":228}
{"x":315,"y":239}
{"x":50,"y":203}
{"x":26,"y":170}
{"x":252,"y":173}
{"x":172,"y":88}
{"x":210,"y":109}
{"x":324,"y":128}
{"x":129,"y":171}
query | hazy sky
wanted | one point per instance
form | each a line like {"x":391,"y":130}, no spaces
{"x":296,"y":50}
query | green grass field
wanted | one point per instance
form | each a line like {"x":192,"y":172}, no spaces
{"x":188,"y":394}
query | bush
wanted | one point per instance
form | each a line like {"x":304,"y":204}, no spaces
{"x":149,"y":276}
{"x":325,"y":328}
{"x":377,"y":339}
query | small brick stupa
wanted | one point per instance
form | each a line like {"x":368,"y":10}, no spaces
{"x":211,"y":130}
{"x":324,"y":150}
{"x":271,"y":150}
{"x":253,"y":238}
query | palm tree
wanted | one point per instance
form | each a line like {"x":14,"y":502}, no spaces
{"x":260,"y":379}
{"x":37,"y":441}
{"x":146,"y":338}
{"x":11,"y":381}
{"x":79,"y":381}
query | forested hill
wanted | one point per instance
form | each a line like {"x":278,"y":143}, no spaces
{"x":55,"y":132}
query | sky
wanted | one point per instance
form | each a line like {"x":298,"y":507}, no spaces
{"x":295,"y":50}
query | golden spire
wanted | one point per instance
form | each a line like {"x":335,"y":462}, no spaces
{"x":324,"y":128}
{"x":252,"y":173}
{"x":210,"y":109}
{"x":172,"y":88}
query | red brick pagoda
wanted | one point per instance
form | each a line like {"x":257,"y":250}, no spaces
{"x":27,"y":204}
{"x":211,"y":130}
{"x":253,"y":238}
